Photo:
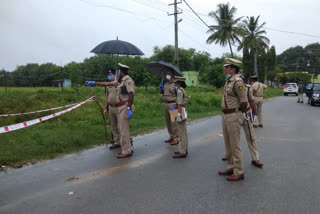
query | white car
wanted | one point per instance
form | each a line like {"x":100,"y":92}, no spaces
{"x":290,"y":88}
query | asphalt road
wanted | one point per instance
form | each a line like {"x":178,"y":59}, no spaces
{"x":94,"y":181}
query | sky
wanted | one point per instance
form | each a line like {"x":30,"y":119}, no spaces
{"x":62,"y":31}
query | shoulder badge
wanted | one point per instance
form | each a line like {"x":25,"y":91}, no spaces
{"x":129,"y":83}
{"x":240,"y":87}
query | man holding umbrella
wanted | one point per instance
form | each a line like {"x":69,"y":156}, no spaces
{"x":170,"y":96}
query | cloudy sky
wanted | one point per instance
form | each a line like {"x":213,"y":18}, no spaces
{"x":61,"y":31}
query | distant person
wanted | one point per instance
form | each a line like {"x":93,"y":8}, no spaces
{"x":257,"y":88}
{"x":181,"y":126}
{"x":169,"y":96}
{"x":300,"y":92}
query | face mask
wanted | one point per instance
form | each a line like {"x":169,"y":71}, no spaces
{"x":110,"y":78}
{"x":176,"y":88}
{"x":228,"y":76}
{"x":168,"y":77}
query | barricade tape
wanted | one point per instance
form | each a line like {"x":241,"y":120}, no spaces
{"x":22,"y":125}
{"x":34,"y":112}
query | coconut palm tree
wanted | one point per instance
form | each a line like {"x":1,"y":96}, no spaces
{"x":227,"y":31}
{"x":253,"y":37}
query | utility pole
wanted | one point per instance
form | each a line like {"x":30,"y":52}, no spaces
{"x":176,"y":54}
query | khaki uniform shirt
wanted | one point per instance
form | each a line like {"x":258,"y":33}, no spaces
{"x":257,"y":88}
{"x":169,"y":92}
{"x":126,"y":86}
{"x":181,"y":97}
{"x":234,"y":93}
{"x":112,"y":94}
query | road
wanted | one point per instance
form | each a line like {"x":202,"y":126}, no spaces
{"x":94,"y":181}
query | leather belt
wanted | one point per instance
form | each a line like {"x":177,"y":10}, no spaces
{"x":169,"y":101}
{"x":230,"y":110}
{"x":118,"y":104}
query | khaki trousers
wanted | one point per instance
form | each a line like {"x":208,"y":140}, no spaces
{"x":300,"y":97}
{"x":258,"y":103}
{"x":113,"y":117}
{"x":171,"y":126}
{"x":182,"y":136}
{"x":123,"y":124}
{"x":251,"y":140}
{"x":231,"y":124}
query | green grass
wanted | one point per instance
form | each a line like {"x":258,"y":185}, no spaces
{"x":83,"y":127}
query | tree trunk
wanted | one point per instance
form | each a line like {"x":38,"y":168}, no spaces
{"x":255,"y":69}
{"x":230,"y":48}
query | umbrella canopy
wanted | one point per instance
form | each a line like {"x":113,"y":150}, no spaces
{"x":160,"y":68}
{"x":117,"y":47}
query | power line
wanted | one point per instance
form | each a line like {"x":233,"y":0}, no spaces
{"x":196,"y":14}
{"x":187,"y":17}
{"x":284,"y":31}
{"x":150,"y":5}
{"x":190,"y":37}
{"x":103,"y":5}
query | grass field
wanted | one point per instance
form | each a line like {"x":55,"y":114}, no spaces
{"x":83,"y":127}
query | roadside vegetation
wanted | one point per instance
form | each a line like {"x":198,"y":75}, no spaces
{"x":83,"y":127}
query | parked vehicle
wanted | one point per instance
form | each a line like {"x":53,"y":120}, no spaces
{"x":290,"y":88}
{"x":309,"y":89}
{"x":316,"y":94}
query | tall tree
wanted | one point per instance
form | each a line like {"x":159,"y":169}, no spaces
{"x":262,"y":64}
{"x":246,"y":63}
{"x":271,"y":60}
{"x":254,"y":38}
{"x":227,"y":31}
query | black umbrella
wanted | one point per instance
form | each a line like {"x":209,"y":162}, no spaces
{"x":160,"y":68}
{"x":117,"y":47}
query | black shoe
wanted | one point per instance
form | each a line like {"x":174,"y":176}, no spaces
{"x":257,"y":163}
{"x":179,"y":153}
{"x":114,"y":146}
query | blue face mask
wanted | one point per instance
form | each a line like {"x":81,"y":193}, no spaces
{"x":176,"y":88}
{"x":110,"y":78}
{"x":228,"y":76}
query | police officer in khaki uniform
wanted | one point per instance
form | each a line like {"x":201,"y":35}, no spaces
{"x":181,"y":102}
{"x":248,"y":130}
{"x":126,"y":95}
{"x":234,"y":110}
{"x":169,"y":95}
{"x":257,"y":88}
{"x":111,"y":108}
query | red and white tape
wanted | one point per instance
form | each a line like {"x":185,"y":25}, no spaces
{"x":22,"y":125}
{"x":34,"y":112}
